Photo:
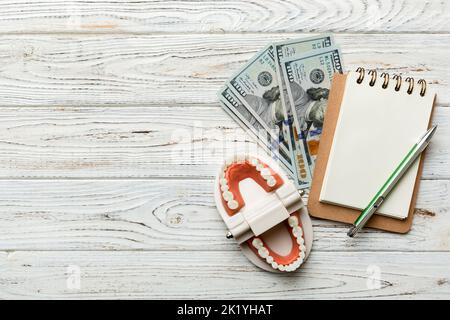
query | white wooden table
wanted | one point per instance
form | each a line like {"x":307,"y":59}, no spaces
{"x":96,"y":96}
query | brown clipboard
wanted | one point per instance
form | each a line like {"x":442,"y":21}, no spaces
{"x":337,"y":213}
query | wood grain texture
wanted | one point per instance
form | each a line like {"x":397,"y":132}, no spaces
{"x":176,"y":142}
{"x":175,"y":215}
{"x":25,"y":16}
{"x":178,"y":69}
{"x":222,"y":275}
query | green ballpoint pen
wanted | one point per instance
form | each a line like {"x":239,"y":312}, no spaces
{"x":390,"y":183}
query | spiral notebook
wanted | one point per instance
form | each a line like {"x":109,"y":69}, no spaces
{"x":371,"y":123}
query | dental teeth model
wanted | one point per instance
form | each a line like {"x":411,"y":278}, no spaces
{"x":251,"y":212}
{"x":264,"y":252}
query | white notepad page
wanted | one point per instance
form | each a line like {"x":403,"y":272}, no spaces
{"x":375,"y":129}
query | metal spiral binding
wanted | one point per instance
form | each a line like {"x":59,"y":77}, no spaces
{"x":397,"y":78}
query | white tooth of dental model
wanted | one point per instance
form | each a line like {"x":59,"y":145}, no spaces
{"x":227,"y":196}
{"x":302,"y":251}
{"x":259,"y":167}
{"x":263,"y":252}
{"x":297,"y":231}
{"x":257,"y":243}
{"x":254,"y":162}
{"x":293,"y":221}
{"x":232,"y":204}
{"x":266,"y":173}
{"x":271,"y":182}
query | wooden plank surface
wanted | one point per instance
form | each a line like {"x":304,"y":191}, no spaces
{"x":176,"y":142}
{"x":220,"y":275}
{"x":175,"y":215}
{"x":32,"y":16}
{"x":173,"y":69}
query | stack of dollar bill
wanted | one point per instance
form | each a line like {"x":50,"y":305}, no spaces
{"x":280,"y":98}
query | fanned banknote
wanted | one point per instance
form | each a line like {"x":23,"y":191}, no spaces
{"x":256,"y":85}
{"x":235,"y":108}
{"x":308,"y":80}
{"x":290,"y":49}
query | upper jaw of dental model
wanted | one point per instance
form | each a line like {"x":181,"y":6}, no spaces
{"x":238,"y":169}
{"x":265,"y":253}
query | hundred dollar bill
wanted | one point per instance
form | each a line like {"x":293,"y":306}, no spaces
{"x":248,"y":122}
{"x":308,"y":80}
{"x":291,"y":49}
{"x":256,"y":85}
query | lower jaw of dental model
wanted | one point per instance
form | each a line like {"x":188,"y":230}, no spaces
{"x":294,"y":259}
{"x":235,"y":171}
